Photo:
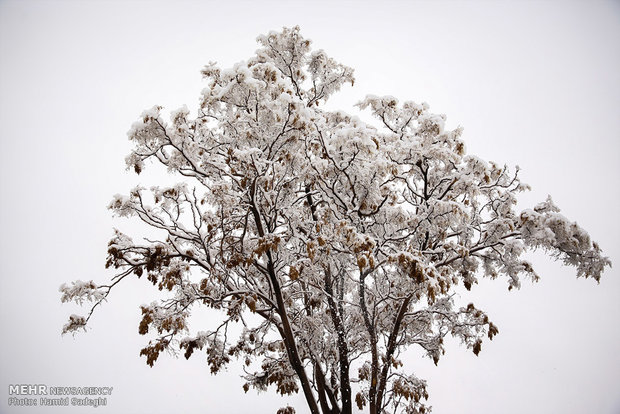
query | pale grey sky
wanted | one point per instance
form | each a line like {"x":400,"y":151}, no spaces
{"x":533,"y":83}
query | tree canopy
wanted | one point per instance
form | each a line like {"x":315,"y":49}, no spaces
{"x":335,"y":245}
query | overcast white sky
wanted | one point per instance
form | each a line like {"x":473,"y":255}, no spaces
{"x":533,"y":83}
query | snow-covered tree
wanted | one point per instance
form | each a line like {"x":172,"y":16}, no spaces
{"x":333,"y":244}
